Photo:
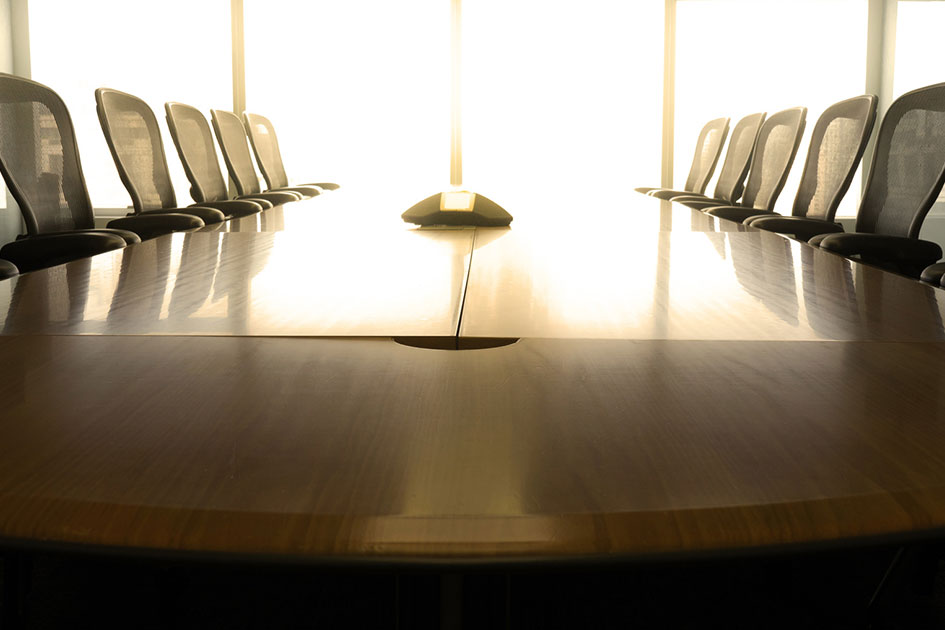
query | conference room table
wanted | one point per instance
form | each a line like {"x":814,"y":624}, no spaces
{"x":324,"y":383}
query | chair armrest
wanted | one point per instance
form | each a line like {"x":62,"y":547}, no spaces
{"x":800,"y":228}
{"x":933,"y":274}
{"x":307,"y":192}
{"x":235,"y":207}
{"x":204,"y":213}
{"x":668,"y":193}
{"x":264,"y":203}
{"x":645,"y":189}
{"x":128,"y":236}
{"x":275,"y":197}
{"x":881,"y":246}
{"x":323,"y":185}
{"x":897,"y":253}
{"x":151,"y":225}
{"x":699,"y":203}
{"x":38,"y":252}
{"x":737,"y":214}
{"x":7,"y":269}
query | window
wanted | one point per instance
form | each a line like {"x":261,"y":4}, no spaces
{"x":559,"y":101}
{"x":918,"y":48}
{"x":76,"y":47}
{"x":552,"y":97}
{"x":358,"y":92}
{"x":735,"y":57}
{"x":918,"y":45}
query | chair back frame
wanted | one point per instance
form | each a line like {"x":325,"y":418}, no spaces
{"x":20,"y":96}
{"x":874,"y":214}
{"x":111,"y":103}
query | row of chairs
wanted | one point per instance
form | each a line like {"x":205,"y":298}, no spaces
{"x":39,"y":161}
{"x":905,"y":178}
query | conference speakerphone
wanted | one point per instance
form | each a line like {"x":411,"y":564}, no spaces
{"x":458,"y":208}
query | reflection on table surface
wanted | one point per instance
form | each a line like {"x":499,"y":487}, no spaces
{"x":670,"y":285}
{"x":348,"y":266}
{"x":321,"y":283}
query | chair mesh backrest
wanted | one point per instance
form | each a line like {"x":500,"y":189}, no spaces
{"x":194,"y":142}
{"x":39,"y":158}
{"x":232,"y":138}
{"x":266,"y":147}
{"x":836,"y":147}
{"x":134,"y":138}
{"x":708,"y":149}
{"x":774,"y":153}
{"x":735,"y":167}
{"x":908,"y":165}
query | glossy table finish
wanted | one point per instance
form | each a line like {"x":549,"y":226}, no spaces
{"x":680,"y":386}
{"x":402,"y":282}
{"x":365,"y":449}
{"x":670,"y":285}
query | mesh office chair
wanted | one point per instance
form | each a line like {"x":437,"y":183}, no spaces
{"x":239,"y":163}
{"x":729,"y":187}
{"x":134,"y":139}
{"x":906,"y":177}
{"x":771,"y":162}
{"x":194,"y":142}
{"x":836,"y":147}
{"x":39,"y":160}
{"x":262,"y":137}
{"x":705,"y":159}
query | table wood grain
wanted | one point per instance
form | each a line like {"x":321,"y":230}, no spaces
{"x":354,"y":449}
{"x":682,"y":384}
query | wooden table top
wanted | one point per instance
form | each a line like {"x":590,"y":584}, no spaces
{"x":366,"y":449}
{"x":675,"y":389}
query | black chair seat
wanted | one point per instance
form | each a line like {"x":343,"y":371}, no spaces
{"x":901,"y":254}
{"x":208,"y":215}
{"x":276,"y":198}
{"x":801,"y":228}
{"x":236,"y":207}
{"x":736,"y":213}
{"x":151,"y":225}
{"x":46,"y":250}
{"x":128,"y":236}
{"x":666,"y":194}
{"x":307,"y":192}
{"x":698,"y":203}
